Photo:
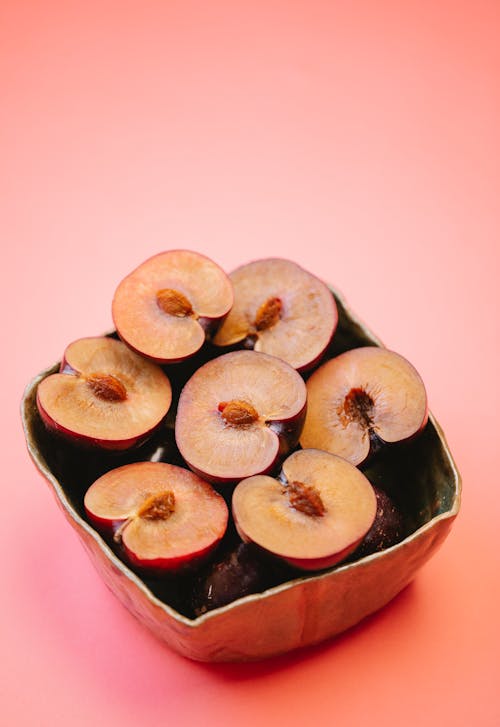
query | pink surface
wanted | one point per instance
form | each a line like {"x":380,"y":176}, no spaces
{"x":360,"y":140}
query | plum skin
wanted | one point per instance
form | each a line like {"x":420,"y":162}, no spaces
{"x":388,"y":527}
{"x":238,"y":573}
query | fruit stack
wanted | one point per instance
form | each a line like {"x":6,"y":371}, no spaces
{"x":221,"y":440}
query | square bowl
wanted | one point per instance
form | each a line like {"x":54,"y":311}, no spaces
{"x":420,"y":475}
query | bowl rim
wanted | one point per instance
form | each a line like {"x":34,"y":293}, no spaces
{"x":197,"y":622}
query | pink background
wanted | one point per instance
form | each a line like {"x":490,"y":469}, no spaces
{"x":359,"y":139}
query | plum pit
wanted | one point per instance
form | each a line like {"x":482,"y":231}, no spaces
{"x":268,"y":314}
{"x":158,"y":507}
{"x":174,"y":303}
{"x":238,"y":413}
{"x":358,"y":406}
{"x":107,"y":387}
{"x":305,"y":499}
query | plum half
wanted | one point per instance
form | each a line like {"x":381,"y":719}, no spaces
{"x":361,"y":400}
{"x":280,"y":309}
{"x":165,"y":517}
{"x":105,"y":395}
{"x":239,"y":414}
{"x":165,"y":308}
{"x":313,"y":516}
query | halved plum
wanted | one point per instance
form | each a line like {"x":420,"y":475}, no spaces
{"x":280,"y":309}
{"x":105,"y":395}
{"x":239,"y":414}
{"x":165,"y":517}
{"x":313,"y":517}
{"x":165,"y":307}
{"x":362,"y":399}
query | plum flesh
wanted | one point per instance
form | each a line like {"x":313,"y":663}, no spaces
{"x":313,"y":516}
{"x":280,"y":309}
{"x":105,"y":395}
{"x":165,"y":308}
{"x":239,"y":415}
{"x":164,"y":517}
{"x":362,"y":399}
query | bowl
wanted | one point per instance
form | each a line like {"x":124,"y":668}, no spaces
{"x":419,"y":474}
